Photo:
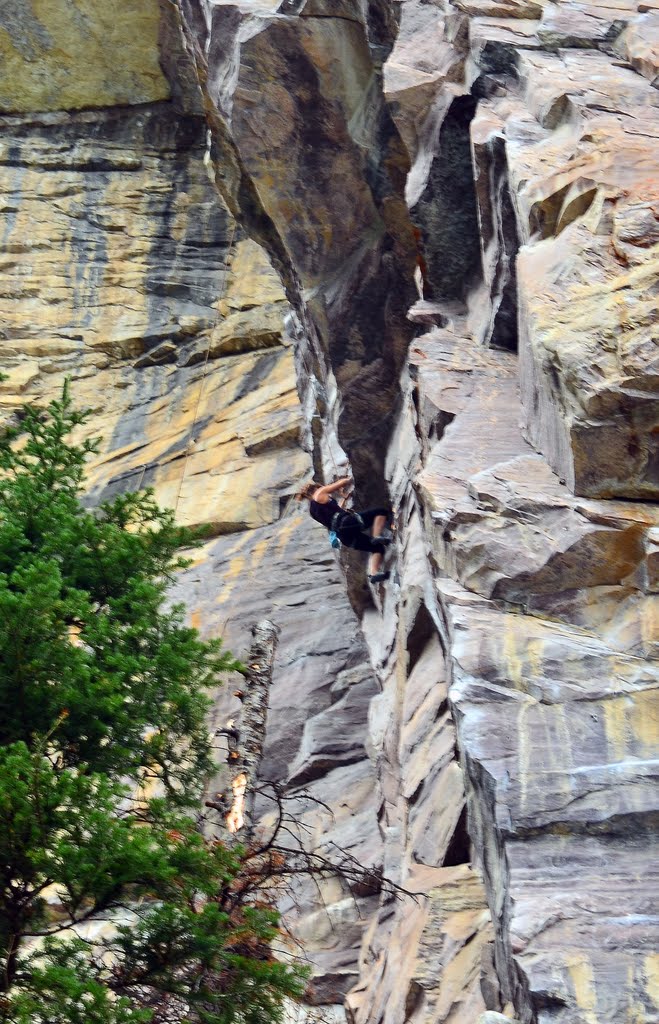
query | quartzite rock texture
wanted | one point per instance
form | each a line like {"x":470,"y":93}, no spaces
{"x":482,"y":727}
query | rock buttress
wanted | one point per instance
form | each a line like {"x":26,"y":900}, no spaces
{"x":308,"y":157}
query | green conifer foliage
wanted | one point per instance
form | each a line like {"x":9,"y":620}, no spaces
{"x":102,"y":703}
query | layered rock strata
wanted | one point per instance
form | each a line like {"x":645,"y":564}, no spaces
{"x":121,"y":267}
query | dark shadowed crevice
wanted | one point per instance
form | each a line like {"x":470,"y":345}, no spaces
{"x":459,"y":849}
{"x":543,"y":215}
{"x":423,"y":629}
{"x":446,"y":213}
{"x":504,"y":329}
{"x":415,"y":999}
{"x":438,"y":425}
{"x":550,"y":1003}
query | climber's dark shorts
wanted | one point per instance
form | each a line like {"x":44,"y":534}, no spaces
{"x":351,"y":531}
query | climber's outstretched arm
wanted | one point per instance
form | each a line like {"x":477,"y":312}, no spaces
{"x":323,"y":493}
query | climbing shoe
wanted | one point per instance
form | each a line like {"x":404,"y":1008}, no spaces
{"x":379,"y":577}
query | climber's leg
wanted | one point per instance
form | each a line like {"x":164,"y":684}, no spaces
{"x":375,"y":563}
{"x":377,"y":518}
{"x":354,"y":537}
{"x":379,"y":524}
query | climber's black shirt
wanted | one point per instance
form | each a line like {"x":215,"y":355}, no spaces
{"x":325,"y":512}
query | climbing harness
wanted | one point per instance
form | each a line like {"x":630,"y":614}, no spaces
{"x":341,"y":514}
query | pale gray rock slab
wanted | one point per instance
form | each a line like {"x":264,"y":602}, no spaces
{"x":554,"y":718}
{"x":316,"y":725}
{"x":336,"y":736}
{"x":262,"y":574}
{"x":423,"y":958}
{"x":562,"y":793}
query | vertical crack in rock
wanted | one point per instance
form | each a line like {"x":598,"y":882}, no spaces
{"x":446,"y":210}
{"x":418,"y":636}
{"x":459,"y":848}
{"x":496,"y":319}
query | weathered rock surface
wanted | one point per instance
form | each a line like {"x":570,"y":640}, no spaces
{"x":589,"y":370}
{"x":555,"y":698}
{"x":565,"y":147}
{"x":484,"y":729}
{"x":63,"y":56}
{"x":321,"y":677}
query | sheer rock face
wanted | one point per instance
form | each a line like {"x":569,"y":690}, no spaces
{"x":482,"y":728}
{"x":589,"y":357}
{"x":121,"y":266}
{"x":553,"y":689}
{"x":115,"y":249}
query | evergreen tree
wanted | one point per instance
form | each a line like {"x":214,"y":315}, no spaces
{"x":102,"y":705}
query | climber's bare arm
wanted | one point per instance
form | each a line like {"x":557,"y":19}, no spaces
{"x":322,"y":495}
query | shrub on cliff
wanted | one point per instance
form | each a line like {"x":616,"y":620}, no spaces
{"x":104,"y":753}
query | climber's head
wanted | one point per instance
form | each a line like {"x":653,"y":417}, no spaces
{"x":307,"y":491}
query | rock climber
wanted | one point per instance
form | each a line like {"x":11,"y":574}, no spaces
{"x":351,"y":526}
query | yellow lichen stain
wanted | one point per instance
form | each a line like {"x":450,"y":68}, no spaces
{"x":649,"y":619}
{"x":69,"y":54}
{"x":512,"y":660}
{"x":632,"y":725}
{"x":116,"y":319}
{"x":287,"y":530}
{"x":651,"y":975}
{"x":616,"y":728}
{"x":259,"y":552}
{"x":583,"y":979}
{"x":183,"y":203}
{"x":534,"y":653}
{"x":233,"y":573}
{"x":616,"y":301}
{"x":234,"y":569}
{"x":635,"y":1012}
{"x":644,"y":722}
{"x":525,"y":756}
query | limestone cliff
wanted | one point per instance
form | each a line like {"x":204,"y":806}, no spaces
{"x":213,"y":217}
